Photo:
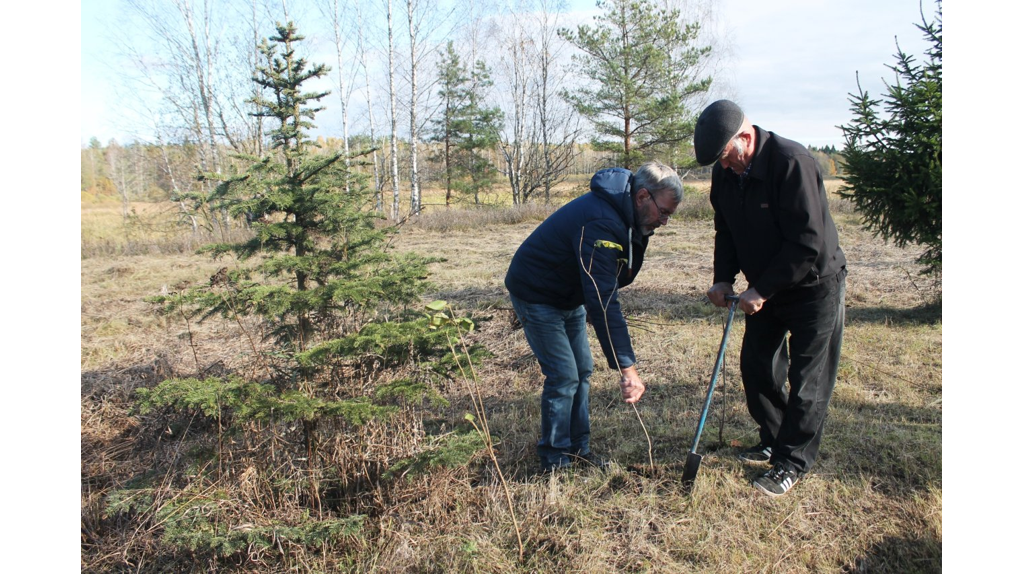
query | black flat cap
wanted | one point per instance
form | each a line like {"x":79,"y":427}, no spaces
{"x":715,"y":127}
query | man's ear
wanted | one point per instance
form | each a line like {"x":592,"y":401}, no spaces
{"x":748,"y":135}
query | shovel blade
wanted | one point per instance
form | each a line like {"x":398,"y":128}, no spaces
{"x":690,"y":471}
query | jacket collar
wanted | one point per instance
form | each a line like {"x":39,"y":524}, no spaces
{"x":759,"y":164}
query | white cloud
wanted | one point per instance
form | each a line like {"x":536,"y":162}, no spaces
{"x":794,"y":63}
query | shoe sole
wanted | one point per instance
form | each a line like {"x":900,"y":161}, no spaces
{"x":753,"y":456}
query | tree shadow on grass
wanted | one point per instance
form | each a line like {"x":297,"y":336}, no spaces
{"x":927,"y":314}
{"x":474,"y":298}
{"x":900,"y":556}
{"x":895,"y":448}
{"x":691,"y":303}
{"x":639,"y":305}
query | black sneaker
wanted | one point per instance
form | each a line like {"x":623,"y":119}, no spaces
{"x":759,"y":454}
{"x":777,"y":481}
{"x":553,"y":468}
{"x":591,"y":459}
{"x":555,"y":463}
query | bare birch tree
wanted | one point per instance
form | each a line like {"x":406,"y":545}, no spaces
{"x":414,"y":180}
{"x":515,"y":61}
{"x":393,"y":111}
{"x":428,"y":23}
{"x":184,"y":70}
{"x":559,"y":126}
{"x":121,"y":174}
{"x":540,"y":144}
{"x":363,"y":61}
{"x":331,"y":10}
{"x":178,"y":66}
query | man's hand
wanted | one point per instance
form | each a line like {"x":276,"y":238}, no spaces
{"x":718,"y":292}
{"x":630,"y":384}
{"x":751,"y":301}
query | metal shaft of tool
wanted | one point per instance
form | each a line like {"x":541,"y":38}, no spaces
{"x":714,"y":374}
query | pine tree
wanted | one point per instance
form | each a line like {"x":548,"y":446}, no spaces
{"x":465,"y":127}
{"x":644,"y":71}
{"x":893,"y":156}
{"x":451,"y":78}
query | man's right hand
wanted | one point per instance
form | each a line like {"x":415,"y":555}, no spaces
{"x":630,"y":384}
{"x":718,"y":292}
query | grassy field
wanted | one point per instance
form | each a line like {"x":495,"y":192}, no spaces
{"x":872,"y":504}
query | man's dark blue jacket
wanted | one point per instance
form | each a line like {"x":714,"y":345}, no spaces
{"x":564,"y":262}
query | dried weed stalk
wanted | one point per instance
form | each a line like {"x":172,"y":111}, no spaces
{"x":482,"y":427}
{"x":604,"y":309}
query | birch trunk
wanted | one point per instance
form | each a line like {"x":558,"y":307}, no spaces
{"x":335,"y":18}
{"x":394,"y":113}
{"x":414,"y":199}
{"x":378,"y":200}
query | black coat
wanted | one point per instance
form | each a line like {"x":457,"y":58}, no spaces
{"x":775,"y":226}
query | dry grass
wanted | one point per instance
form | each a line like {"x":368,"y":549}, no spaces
{"x":441,"y":220}
{"x":148,"y":229}
{"x":872,"y":504}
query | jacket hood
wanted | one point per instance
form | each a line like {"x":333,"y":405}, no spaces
{"x":614,"y":185}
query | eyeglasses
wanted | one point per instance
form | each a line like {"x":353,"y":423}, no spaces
{"x":663,"y":212}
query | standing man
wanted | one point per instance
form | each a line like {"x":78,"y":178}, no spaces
{"x":570,"y":267}
{"x":772,"y":223}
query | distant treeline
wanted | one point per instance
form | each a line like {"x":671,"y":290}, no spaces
{"x":154,"y":172}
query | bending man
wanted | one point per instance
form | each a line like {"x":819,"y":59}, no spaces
{"x":572,"y":265}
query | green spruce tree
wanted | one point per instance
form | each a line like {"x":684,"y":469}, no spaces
{"x":322,"y":241}
{"x":316,"y":271}
{"x":893,"y":155}
{"x":353,"y":357}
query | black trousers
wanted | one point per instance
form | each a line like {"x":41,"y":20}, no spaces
{"x":792,"y":420}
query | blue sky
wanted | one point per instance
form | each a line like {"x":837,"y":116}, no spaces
{"x":790,"y":64}
{"x":794,"y":63}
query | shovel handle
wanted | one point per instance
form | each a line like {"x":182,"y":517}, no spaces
{"x":716,"y":371}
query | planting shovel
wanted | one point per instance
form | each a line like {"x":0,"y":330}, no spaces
{"x":692,"y":458}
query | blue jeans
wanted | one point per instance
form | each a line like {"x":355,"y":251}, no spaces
{"x":558,"y":339}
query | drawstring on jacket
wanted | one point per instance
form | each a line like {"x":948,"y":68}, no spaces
{"x":630,"y":252}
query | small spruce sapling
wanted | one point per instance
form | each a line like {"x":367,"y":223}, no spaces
{"x":316,"y":274}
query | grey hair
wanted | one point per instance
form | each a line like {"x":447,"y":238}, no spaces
{"x":656,"y":176}
{"x":737,"y":143}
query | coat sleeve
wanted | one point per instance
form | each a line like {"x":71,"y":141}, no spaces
{"x":726,"y":262}
{"x":801,"y":223}
{"x":599,"y":263}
